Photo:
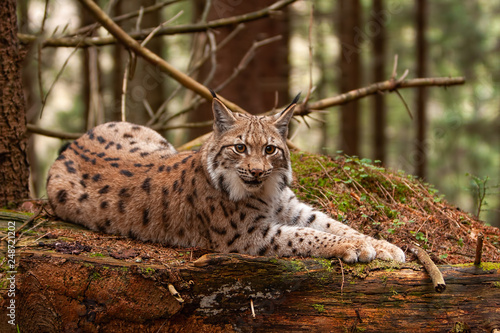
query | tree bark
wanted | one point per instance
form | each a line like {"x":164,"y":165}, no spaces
{"x":350,"y":65}
{"x":379,"y":108}
{"x":267,"y":73}
{"x":14,"y":169}
{"x":420,"y":154}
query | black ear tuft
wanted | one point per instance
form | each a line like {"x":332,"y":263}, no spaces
{"x":223,"y":117}
{"x":214,"y":95}
{"x":283,"y":118}
{"x":295,"y":100}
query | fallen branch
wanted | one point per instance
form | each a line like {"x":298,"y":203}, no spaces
{"x":180,"y":29}
{"x":431,"y":268}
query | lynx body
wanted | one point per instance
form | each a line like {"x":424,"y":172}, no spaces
{"x":230,"y":196}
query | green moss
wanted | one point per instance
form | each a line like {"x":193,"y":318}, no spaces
{"x":295,"y":266}
{"x":325,"y":263}
{"x":339,"y":177}
{"x":96,"y":254}
{"x":273,"y":261}
{"x":319,"y":307}
{"x":488,"y":266}
{"x":148,"y":271}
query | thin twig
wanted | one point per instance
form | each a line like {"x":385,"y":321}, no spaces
{"x":395,"y":67}
{"x":251,"y":307}
{"x":206,"y":10}
{"x":404,"y":103}
{"x":148,"y":108}
{"x":213,"y":59}
{"x":155,"y":30}
{"x":124,"y":89}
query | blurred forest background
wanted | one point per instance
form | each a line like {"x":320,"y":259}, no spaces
{"x":449,"y":136}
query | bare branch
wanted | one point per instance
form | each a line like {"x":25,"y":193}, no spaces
{"x":162,"y":109}
{"x":151,"y":57}
{"x":246,"y":59}
{"x":186,"y":28}
{"x":53,"y":134}
{"x":302,"y":111}
{"x":127,"y":16}
{"x":374,"y":88}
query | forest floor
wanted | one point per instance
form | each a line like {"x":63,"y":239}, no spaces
{"x":382,"y":203}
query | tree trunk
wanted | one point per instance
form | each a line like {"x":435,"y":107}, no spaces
{"x":420,"y":154}
{"x":14,"y":169}
{"x":379,"y":109}
{"x":61,"y":292}
{"x":350,"y":65}
{"x":255,"y":87}
{"x":93,"y":112}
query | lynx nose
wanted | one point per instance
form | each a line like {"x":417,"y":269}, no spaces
{"x":256,"y":172}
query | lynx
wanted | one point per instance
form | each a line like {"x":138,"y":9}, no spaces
{"x":230,"y":196}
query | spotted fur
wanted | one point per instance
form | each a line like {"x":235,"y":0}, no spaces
{"x":230,"y":196}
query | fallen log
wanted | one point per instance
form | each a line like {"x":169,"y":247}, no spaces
{"x":61,"y":292}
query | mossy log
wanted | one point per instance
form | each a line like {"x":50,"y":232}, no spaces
{"x":61,"y":292}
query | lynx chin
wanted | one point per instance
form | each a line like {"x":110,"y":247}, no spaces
{"x":230,"y":196}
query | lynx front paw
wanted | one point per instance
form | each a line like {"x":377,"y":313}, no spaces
{"x":388,"y":251}
{"x":355,"y":250}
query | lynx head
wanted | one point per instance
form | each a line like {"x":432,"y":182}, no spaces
{"x":247,"y":154}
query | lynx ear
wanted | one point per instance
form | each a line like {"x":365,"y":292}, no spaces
{"x":224,"y":118}
{"x":283,"y":118}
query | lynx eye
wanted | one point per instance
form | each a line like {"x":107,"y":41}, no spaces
{"x":270,"y":149}
{"x":240,"y":148}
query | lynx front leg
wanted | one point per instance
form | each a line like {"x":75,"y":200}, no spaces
{"x":384,"y":249}
{"x":301,"y":215}
{"x":284,"y":240}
